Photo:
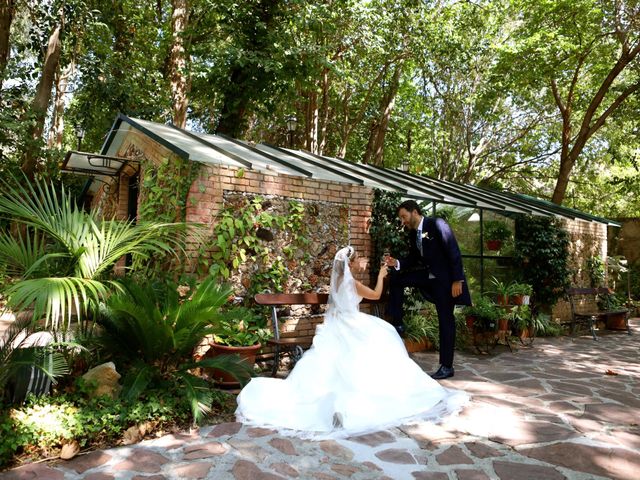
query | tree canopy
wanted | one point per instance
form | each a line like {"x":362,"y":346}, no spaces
{"x":536,"y":96}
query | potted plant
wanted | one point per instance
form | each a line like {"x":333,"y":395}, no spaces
{"x":502,"y":290}
{"x":523,"y":322}
{"x":239,"y":331}
{"x":616,"y":320}
{"x":521,"y":293}
{"x":483,"y":315}
{"x":421,"y":329}
{"x":495,"y":233}
{"x":482,"y":321}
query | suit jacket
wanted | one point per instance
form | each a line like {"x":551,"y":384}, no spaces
{"x":441,"y":258}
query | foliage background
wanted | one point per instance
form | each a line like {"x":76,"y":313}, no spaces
{"x":488,"y":92}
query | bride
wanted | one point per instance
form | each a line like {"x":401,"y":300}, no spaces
{"x":356,"y":377}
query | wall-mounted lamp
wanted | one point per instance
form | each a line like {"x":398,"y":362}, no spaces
{"x":475,"y":217}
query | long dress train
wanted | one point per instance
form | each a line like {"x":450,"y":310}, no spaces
{"x":356,"y":377}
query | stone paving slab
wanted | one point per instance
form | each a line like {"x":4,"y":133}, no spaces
{"x":563,"y":408}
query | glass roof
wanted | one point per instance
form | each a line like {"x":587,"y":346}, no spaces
{"x":223,"y":150}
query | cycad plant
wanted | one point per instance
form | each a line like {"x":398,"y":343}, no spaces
{"x":59,"y":258}
{"x":152,"y":330}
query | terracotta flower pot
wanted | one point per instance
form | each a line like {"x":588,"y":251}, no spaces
{"x":470,"y":321}
{"x":413,"y":346}
{"x":494,"y":245}
{"x":502,"y":300}
{"x":221,"y":377}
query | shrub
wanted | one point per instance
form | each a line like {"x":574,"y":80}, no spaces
{"x":542,"y":255}
{"x":43,"y":424}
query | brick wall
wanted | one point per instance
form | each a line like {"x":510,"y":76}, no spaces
{"x":207,"y":196}
{"x":587,"y":239}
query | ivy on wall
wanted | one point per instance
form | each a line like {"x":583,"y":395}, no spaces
{"x":387,"y":233}
{"x":163,"y":194}
{"x":542,"y":257}
{"x":164,"y":189}
{"x":272,"y":244}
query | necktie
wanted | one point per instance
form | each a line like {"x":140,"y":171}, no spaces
{"x":419,"y":241}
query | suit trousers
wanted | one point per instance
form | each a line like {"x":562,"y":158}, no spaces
{"x":434,"y":291}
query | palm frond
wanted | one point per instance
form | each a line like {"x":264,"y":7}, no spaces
{"x":137,"y":382}
{"x":232,"y":364}
{"x":198,"y":393}
{"x":23,"y":254}
{"x":111,"y":240}
{"x":36,"y":204}
{"x":17,"y":352}
{"x":55,"y":298}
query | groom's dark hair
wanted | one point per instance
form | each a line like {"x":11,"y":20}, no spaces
{"x":410,"y":206}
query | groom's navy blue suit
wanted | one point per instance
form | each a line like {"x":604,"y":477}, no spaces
{"x":432,"y":272}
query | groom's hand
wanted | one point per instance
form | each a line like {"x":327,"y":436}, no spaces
{"x":456,"y":289}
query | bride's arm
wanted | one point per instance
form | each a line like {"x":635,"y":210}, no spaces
{"x":375,"y":293}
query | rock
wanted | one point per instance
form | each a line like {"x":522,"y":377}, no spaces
{"x":69,"y":450}
{"x":131,"y":435}
{"x":106,"y":377}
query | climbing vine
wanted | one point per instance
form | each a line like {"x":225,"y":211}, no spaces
{"x":244,"y":238}
{"x":542,"y":255}
{"x":387,"y":233}
{"x":163,"y":198}
{"x":164,"y":189}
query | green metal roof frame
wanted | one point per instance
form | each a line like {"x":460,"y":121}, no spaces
{"x":410,"y":185}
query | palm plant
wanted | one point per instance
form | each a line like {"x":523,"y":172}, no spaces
{"x":18,"y":352}
{"x":152,"y":332}
{"x":60,"y":257}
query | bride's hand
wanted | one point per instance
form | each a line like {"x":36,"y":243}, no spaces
{"x":384,"y":270}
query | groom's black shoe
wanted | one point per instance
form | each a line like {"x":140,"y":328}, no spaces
{"x":442,"y":373}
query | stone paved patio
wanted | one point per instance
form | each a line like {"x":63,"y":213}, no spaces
{"x":561,"y":409}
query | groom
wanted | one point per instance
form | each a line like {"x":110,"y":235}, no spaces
{"x":434,"y":265}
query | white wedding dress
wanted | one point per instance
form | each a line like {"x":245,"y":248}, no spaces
{"x":356,"y":377}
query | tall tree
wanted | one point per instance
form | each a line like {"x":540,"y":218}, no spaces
{"x":178,"y":76}
{"x":254,"y":53}
{"x":7,"y":12}
{"x":581,"y":56}
{"x":43,"y":97}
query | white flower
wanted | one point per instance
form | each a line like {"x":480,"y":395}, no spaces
{"x":425,"y":235}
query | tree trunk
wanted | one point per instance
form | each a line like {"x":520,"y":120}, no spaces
{"x":42,"y":99}
{"x":179,"y":79}
{"x":311,"y":126}
{"x":374,"y":152}
{"x":248,"y":78}
{"x":348,"y":123}
{"x":7,"y":11}
{"x":324,"y":111}
{"x":56,"y":132}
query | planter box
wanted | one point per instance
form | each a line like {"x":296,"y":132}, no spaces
{"x":616,"y":321}
{"x":413,"y":346}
